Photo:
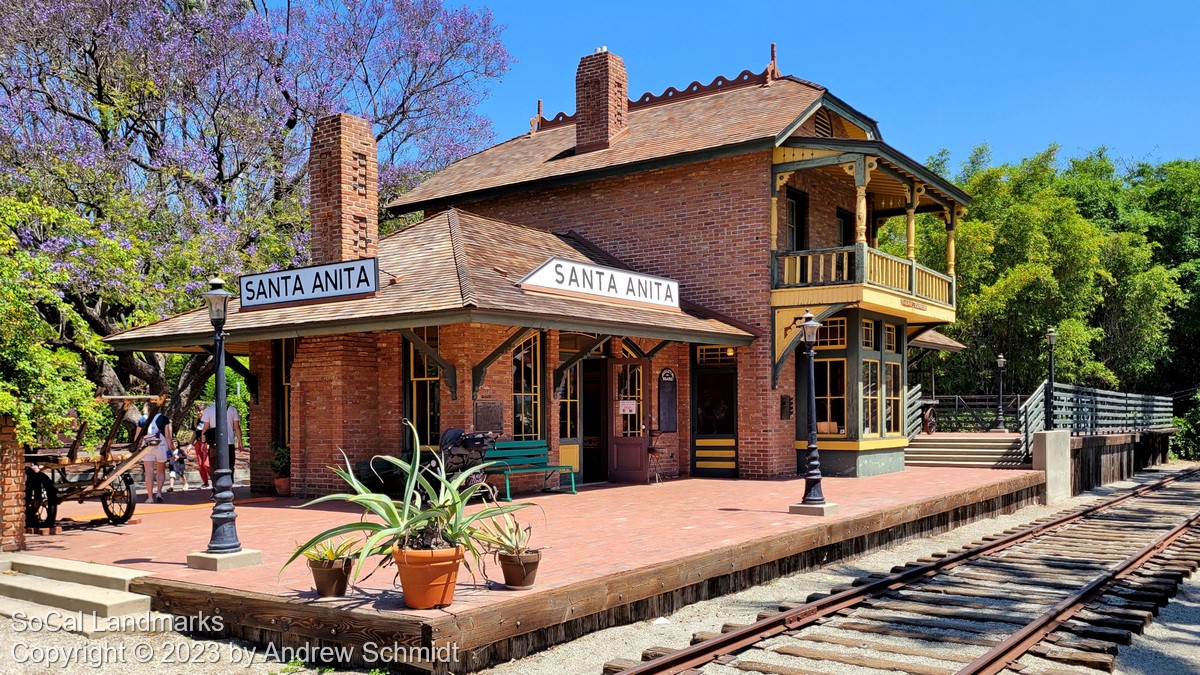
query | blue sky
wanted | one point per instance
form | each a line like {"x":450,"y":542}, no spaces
{"x":1018,"y":75}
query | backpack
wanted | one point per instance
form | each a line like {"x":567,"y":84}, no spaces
{"x":160,"y":423}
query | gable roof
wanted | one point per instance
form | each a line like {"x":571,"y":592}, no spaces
{"x":455,"y":267}
{"x":725,"y":118}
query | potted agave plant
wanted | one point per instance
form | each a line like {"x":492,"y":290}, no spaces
{"x":509,"y":542}
{"x":331,"y":563}
{"x":426,"y":530}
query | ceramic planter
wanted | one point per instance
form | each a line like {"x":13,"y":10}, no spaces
{"x":331,"y":576}
{"x":283,"y":487}
{"x":428,"y":577}
{"x":519,"y":568}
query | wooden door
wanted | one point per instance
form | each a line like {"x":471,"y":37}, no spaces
{"x":629,"y":440}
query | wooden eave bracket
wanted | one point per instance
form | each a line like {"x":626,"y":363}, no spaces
{"x":479,"y":370}
{"x":240,"y":368}
{"x":795,"y":341}
{"x":449,"y":372}
{"x":657,"y":348}
{"x":560,"y":373}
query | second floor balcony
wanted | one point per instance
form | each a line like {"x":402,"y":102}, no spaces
{"x":861,"y":274}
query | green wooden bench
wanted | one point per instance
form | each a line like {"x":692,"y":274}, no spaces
{"x":509,"y":457}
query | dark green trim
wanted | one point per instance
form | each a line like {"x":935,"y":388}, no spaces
{"x":479,"y":370}
{"x":560,"y":372}
{"x":633,"y":347}
{"x":694,"y":420}
{"x":887,"y":152}
{"x":707,"y":154}
{"x":449,"y":372}
{"x":893,"y":213}
{"x":815,"y":163}
{"x":657,"y":348}
{"x":842,"y":108}
{"x":798,"y":122}
{"x":232,"y":363}
{"x":397,"y":322}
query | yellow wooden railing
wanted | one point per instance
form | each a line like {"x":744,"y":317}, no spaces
{"x":860,"y":264}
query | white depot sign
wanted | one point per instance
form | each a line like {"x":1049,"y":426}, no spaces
{"x":580,"y":278}
{"x":319,"y":282}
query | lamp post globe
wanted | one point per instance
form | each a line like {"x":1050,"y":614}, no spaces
{"x":1051,"y":336}
{"x":1000,"y":363}
{"x":812,"y":476}
{"x":224,"y":537}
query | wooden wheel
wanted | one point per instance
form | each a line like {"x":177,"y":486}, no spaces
{"x":120,"y":501}
{"x":41,"y":500}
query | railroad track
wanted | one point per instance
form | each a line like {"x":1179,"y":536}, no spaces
{"x":1058,"y":596}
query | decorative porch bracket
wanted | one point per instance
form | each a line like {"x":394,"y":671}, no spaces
{"x":449,"y":372}
{"x":479,"y":370}
{"x":238,"y":367}
{"x":657,"y":348}
{"x":560,"y":373}
{"x":794,"y":341}
{"x":815,"y":163}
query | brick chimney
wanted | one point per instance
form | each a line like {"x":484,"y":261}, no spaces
{"x":601,"y":101}
{"x":343,"y":189}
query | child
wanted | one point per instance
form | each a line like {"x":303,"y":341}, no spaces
{"x":178,"y":466}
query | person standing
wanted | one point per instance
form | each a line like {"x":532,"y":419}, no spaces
{"x":208,"y":426}
{"x":159,"y":445}
{"x":201,"y":448}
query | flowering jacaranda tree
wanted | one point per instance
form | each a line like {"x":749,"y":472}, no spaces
{"x":175,"y":133}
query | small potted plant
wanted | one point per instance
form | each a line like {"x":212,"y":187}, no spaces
{"x":281,"y":464}
{"x":427,"y":530}
{"x":509,"y":542}
{"x":331,"y":563}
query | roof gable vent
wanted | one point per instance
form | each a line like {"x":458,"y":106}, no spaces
{"x":823,"y":124}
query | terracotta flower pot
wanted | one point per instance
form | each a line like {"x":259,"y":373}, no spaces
{"x":519,"y":568}
{"x":283,"y":487}
{"x":331,"y":576}
{"x":428,"y":577}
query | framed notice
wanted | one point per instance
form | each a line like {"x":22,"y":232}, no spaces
{"x":668,"y":402}
{"x":489,"y":416}
{"x":627,"y":407}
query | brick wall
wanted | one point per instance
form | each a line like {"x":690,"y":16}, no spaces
{"x":12,"y":477}
{"x":825,"y":196}
{"x":343,"y":183}
{"x":707,"y":225}
{"x":262,"y":416}
{"x":601,"y":101}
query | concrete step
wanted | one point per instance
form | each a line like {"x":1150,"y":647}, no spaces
{"x":84,"y":573}
{"x":972,"y":465}
{"x":73,"y":597}
{"x":951,"y":442}
{"x":33,"y":617}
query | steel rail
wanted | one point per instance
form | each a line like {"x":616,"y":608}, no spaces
{"x":1005,"y":654}
{"x":726,"y":644}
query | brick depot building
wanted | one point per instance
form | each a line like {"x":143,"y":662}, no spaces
{"x":622,"y":283}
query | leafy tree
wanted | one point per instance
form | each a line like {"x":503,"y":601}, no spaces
{"x":177,"y":133}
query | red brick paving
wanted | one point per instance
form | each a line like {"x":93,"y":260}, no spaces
{"x":600,"y":531}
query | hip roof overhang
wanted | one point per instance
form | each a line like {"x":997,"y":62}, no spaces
{"x":191,"y":341}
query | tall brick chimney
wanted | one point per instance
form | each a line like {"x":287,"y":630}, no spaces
{"x":601,"y":101}
{"x":344,"y":190}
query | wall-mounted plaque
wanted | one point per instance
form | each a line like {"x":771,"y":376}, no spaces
{"x":668,"y":402}
{"x":489,"y":416}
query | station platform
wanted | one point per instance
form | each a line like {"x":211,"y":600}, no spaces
{"x":614,"y":554}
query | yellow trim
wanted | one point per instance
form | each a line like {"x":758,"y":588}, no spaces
{"x":785,"y":155}
{"x":874,"y":298}
{"x":716,"y":465}
{"x":873,"y":444}
{"x":568,"y":455}
{"x":716,"y":442}
{"x":716,"y":453}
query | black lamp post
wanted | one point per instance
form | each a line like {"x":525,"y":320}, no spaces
{"x":1051,"y":336}
{"x":812,"y":477}
{"x":1000,"y":363}
{"x":224,"y":528}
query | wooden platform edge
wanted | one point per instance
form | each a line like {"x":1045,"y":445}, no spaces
{"x":482,"y":626}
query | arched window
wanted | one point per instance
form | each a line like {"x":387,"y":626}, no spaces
{"x":527,"y":389}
